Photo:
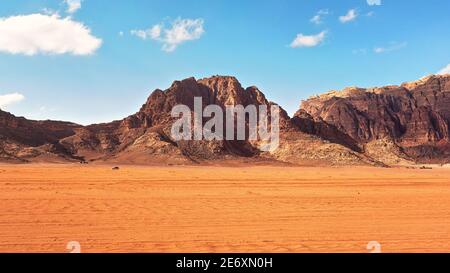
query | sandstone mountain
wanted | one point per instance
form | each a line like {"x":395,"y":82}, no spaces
{"x":21,"y":138}
{"x":377,"y":126}
{"x":140,"y":138}
{"x":410,"y":121}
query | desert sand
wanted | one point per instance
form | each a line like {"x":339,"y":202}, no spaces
{"x":223,"y":209}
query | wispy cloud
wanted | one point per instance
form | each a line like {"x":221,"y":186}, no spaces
{"x":445,"y":70}
{"x":48,"y":34}
{"x":393,"y":46}
{"x":360,"y":51}
{"x":374,"y":2}
{"x":8,"y":99}
{"x":48,"y":11}
{"x":350,"y":16}
{"x":308,"y":40}
{"x":73,"y":5}
{"x":180,"y":31}
{"x":318,"y":18}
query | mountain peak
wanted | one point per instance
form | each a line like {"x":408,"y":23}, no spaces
{"x":407,"y":121}
{"x":415,"y":115}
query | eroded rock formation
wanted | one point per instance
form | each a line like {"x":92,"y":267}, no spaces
{"x":377,"y":126}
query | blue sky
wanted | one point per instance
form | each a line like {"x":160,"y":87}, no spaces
{"x":100,"y":60}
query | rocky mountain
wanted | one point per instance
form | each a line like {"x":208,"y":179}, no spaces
{"x":21,"y":138}
{"x":408,"y":121}
{"x":148,"y":131}
{"x":140,"y":138}
{"x":376,"y":126}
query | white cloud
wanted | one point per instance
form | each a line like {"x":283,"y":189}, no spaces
{"x":374,"y":2}
{"x":47,"y":34}
{"x":445,"y":70}
{"x":8,"y":99}
{"x":72,"y":5}
{"x":180,"y":31}
{"x":308,"y":40}
{"x":391,"y":47}
{"x":139,"y":33}
{"x":350,"y":16}
{"x":155,"y":32}
{"x":318,"y":18}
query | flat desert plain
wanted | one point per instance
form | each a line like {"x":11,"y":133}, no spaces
{"x":223,"y":209}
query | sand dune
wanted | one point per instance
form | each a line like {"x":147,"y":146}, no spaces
{"x":219,"y":209}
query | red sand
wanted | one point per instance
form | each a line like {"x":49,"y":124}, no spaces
{"x":218,"y":209}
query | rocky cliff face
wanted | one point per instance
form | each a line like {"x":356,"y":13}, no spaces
{"x":150,"y":127}
{"x":375,"y":126}
{"x":414,"y":116}
{"x":22,"y":139}
{"x":142,"y":137}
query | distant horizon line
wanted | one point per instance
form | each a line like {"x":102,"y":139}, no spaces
{"x":227,"y":76}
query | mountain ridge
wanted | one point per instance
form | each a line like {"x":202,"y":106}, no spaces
{"x":370,"y":126}
{"x":414,"y":115}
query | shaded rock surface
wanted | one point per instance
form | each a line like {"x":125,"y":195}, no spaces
{"x":414,"y":116}
{"x":378,"y":126}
